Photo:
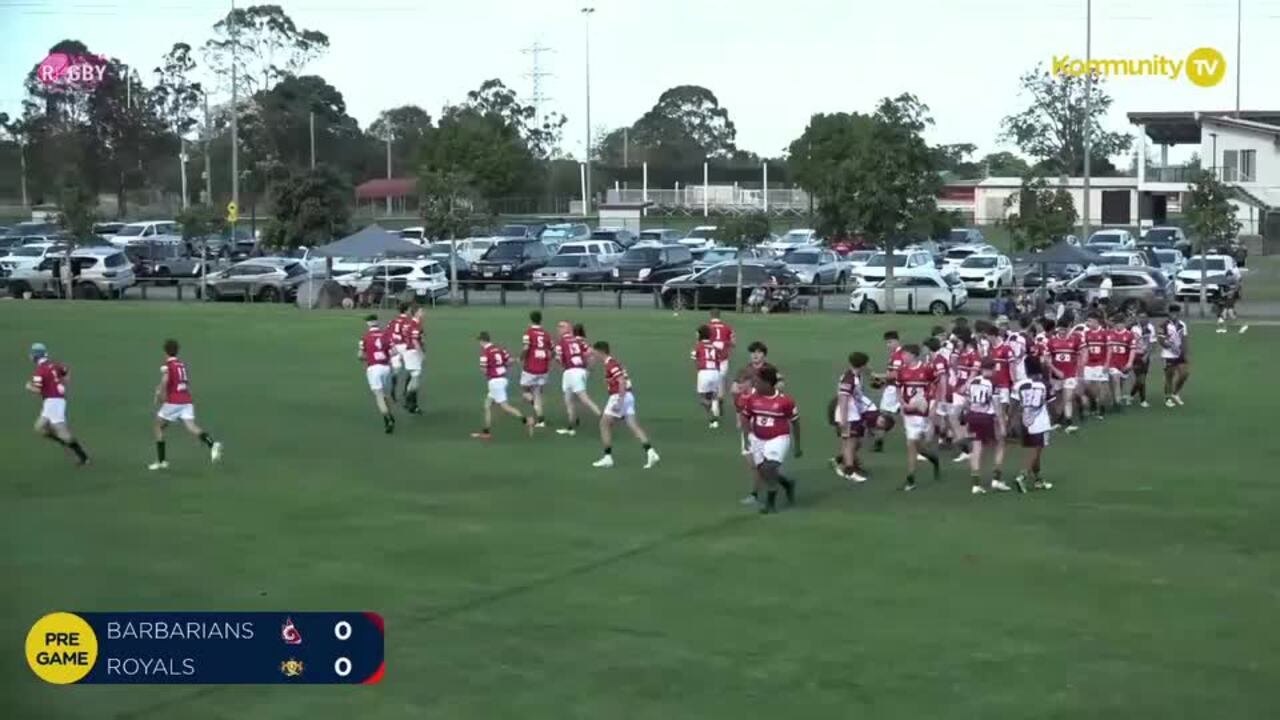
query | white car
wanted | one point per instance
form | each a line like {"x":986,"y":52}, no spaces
{"x":472,"y":249}
{"x":1217,"y":270}
{"x":147,"y":230}
{"x":97,"y":272}
{"x":1121,"y":258}
{"x":606,"y":251}
{"x":28,"y":257}
{"x":904,"y":262}
{"x":793,"y":240}
{"x":916,"y":291}
{"x":957,"y":255}
{"x":1104,"y":240}
{"x":316,"y":265}
{"x":1171,"y":261}
{"x":986,"y":273}
{"x":858,"y":259}
{"x":426,"y":279}
{"x":416,"y":235}
{"x":700,"y":238}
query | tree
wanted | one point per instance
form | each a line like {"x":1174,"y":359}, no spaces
{"x":200,"y":221}
{"x":1052,"y":128}
{"x":446,"y":203}
{"x":266,"y":45}
{"x":742,"y":231}
{"x":686,"y":126}
{"x":311,"y":207}
{"x":275,"y":130}
{"x":408,"y":126}
{"x":954,"y":162}
{"x":1003,"y":164}
{"x":499,"y":104}
{"x":176,"y":97}
{"x":1211,"y":218}
{"x":77,"y":206}
{"x":1043,"y":215}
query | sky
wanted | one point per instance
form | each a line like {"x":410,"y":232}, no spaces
{"x":771,"y":64}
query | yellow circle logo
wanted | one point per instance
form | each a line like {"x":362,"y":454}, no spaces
{"x":61,"y":648}
{"x":1206,"y":67}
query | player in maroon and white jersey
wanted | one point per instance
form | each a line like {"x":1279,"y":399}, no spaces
{"x":173,"y":398}
{"x":985,"y":426}
{"x":621,"y":405}
{"x":412,"y":356}
{"x":1174,"y":352}
{"x":774,"y":422}
{"x":535,"y":364}
{"x":49,"y":381}
{"x":915,"y":378}
{"x":395,"y":331}
{"x":850,"y":404}
{"x":1032,"y":396}
{"x":494,"y":363}
{"x":374,"y":349}
{"x":723,"y":337}
{"x":1144,"y":340}
{"x":1120,"y":341}
{"x":940,"y":393}
{"x":707,"y":382}
{"x":1066,"y":360}
{"x":1097,"y":361}
{"x":966,"y":365}
{"x":573,"y":353}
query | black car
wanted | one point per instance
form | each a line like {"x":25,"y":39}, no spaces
{"x":717,"y":286}
{"x":653,"y":264}
{"x":242,"y":250}
{"x":164,"y":260}
{"x":522,"y":231}
{"x":624,"y":238}
{"x":572,"y":271}
{"x":510,"y":260}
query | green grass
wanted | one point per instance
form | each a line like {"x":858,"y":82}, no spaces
{"x":516,"y":581}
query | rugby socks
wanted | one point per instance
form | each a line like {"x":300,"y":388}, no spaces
{"x":789,"y":488}
{"x":55,"y":438}
{"x":975,"y":479}
{"x":647,"y":447}
{"x":159,"y":451}
{"x":770,"y":501}
{"x":608,"y":451}
{"x":207,"y":439}
{"x":933,"y":460}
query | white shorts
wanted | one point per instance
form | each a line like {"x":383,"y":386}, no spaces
{"x":574,"y":380}
{"x":708,"y":381}
{"x":1070,"y":383}
{"x":397,"y":355}
{"x":379,"y":376}
{"x":917,"y":427}
{"x":169,"y":412}
{"x":771,"y":450}
{"x":889,"y":400}
{"x":958,"y":401}
{"x":724,"y":368}
{"x":620,"y":406}
{"x":412,"y":360}
{"x":1118,"y":373}
{"x":1019,"y":370}
{"x":54,"y":410}
{"x":1002,"y":395}
{"x":941,"y":409}
{"x":498,"y":390}
{"x":1095,"y":373}
{"x":529,"y":380}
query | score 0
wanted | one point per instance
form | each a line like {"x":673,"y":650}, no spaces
{"x":342,"y":631}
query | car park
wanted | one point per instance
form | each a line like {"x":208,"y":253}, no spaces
{"x":793,"y":240}
{"x":522,"y":231}
{"x":164,"y":260}
{"x":717,"y":255}
{"x":1117,"y":258}
{"x":242,"y":250}
{"x":416,"y":235}
{"x":558,"y":234}
{"x":474,"y":248}
{"x":606,"y":252}
{"x":875,"y":268}
{"x":265,"y":279}
{"x":954,"y":256}
{"x":817,"y":266}
{"x":659,"y":236}
{"x":986,"y":273}
{"x":858,"y":259}
{"x":1217,"y":271}
{"x":510,"y":260}
{"x":1132,"y":288}
{"x":1050,"y":277}
{"x":33,"y":227}
{"x":623,"y":237}
{"x":1113,"y":239}
{"x":1166,"y":236}
{"x":1171,"y":261}
{"x":107,"y":230}
{"x":27,"y":257}
{"x":443,"y":253}
{"x":718,"y":286}
{"x":424,"y":278}
{"x":701,"y":237}
{"x":920,"y":290}
{"x":316,"y":265}
{"x":653,"y":264}
{"x":96,"y":272}
{"x":146,"y":230}
{"x":572,"y":271}
{"x":965,"y":236}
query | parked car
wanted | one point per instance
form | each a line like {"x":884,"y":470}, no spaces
{"x":265,"y":279}
{"x":1235,"y":249}
{"x":1171,"y":260}
{"x":1055,"y":277}
{"x":606,"y":252}
{"x":653,"y":264}
{"x":8,"y":243}
{"x":1219,"y":271}
{"x":986,"y":273}
{"x":701,"y":237}
{"x":845,"y":244}
{"x":572,"y":271}
{"x":1132,"y":288}
{"x":1167,"y":236}
{"x":107,"y":230}
{"x":874,"y":270}
{"x":956,"y":255}
{"x":416,"y":235}
{"x":442,"y":252}
{"x":560,"y":233}
{"x":717,"y":255}
{"x":27,"y":257}
{"x":717,"y":286}
{"x":522,"y":231}
{"x":919,"y":290}
{"x":1116,"y":258}
{"x":242,"y":250}
{"x":474,"y":248}
{"x":96,"y":272}
{"x":425,"y":278}
{"x":1114,"y":239}
{"x":659,"y":236}
{"x":793,"y":240}
{"x":511,"y":260}
{"x":147,"y":230}
{"x":817,"y":266}
{"x":624,"y":238}
{"x":33,"y":227}
{"x":965,"y":236}
{"x":163,"y":259}
{"x":858,"y":259}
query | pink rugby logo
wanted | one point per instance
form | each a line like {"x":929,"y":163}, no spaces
{"x":74,"y":70}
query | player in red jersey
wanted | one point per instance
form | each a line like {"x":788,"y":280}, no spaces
{"x":850,"y":404}
{"x":572,"y":351}
{"x":1066,"y":356}
{"x":722,"y":336}
{"x":49,"y":381}
{"x":1097,"y":361}
{"x":940,"y":393}
{"x":374,"y":349}
{"x":494,"y":362}
{"x":773,"y":419}
{"x":915,"y":378}
{"x":621,"y":405}
{"x":395,"y":336}
{"x":707,"y":384}
{"x":411,"y":356}
{"x":986,"y":429}
{"x":1120,"y":339}
{"x":966,"y":365}
{"x":1003,"y":353}
{"x":889,"y":399}
{"x":743,"y":386}
{"x":173,"y":398}
{"x":535,"y":363}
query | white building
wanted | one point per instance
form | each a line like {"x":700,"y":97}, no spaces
{"x":1113,"y":201}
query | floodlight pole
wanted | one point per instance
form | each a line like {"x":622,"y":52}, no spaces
{"x":1088,"y":112}
{"x":587,"y":12}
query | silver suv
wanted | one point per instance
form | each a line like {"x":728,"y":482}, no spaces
{"x":1132,"y":288}
{"x":96,"y":272}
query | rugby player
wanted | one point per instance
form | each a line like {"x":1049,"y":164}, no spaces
{"x":494,"y":361}
{"x":985,"y":428}
{"x":914,"y":378}
{"x":621,"y":405}
{"x":49,"y":381}
{"x":773,"y":418}
{"x":535,"y":363}
{"x":707,"y":382}
{"x":572,"y":352}
{"x":1032,"y":396}
{"x":173,"y":398}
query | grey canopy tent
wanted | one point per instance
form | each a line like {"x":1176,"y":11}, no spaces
{"x":371,"y":241}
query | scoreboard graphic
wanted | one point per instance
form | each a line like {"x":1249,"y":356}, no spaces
{"x":207,"y":648}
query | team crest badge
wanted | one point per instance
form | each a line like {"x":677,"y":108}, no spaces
{"x":291,"y":668}
{"x":289,"y":633}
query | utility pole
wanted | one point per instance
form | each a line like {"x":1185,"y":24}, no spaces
{"x":587,"y":12}
{"x":1088,"y":110}
{"x":313,"y":140}
{"x":536,"y":74}
{"x":208,"y":168}
{"x":389,"y":134}
{"x":22,"y":155}
{"x":182,"y":160}
{"x":626,"y":147}
{"x":235,"y":132}
{"x":1239,"y":32}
